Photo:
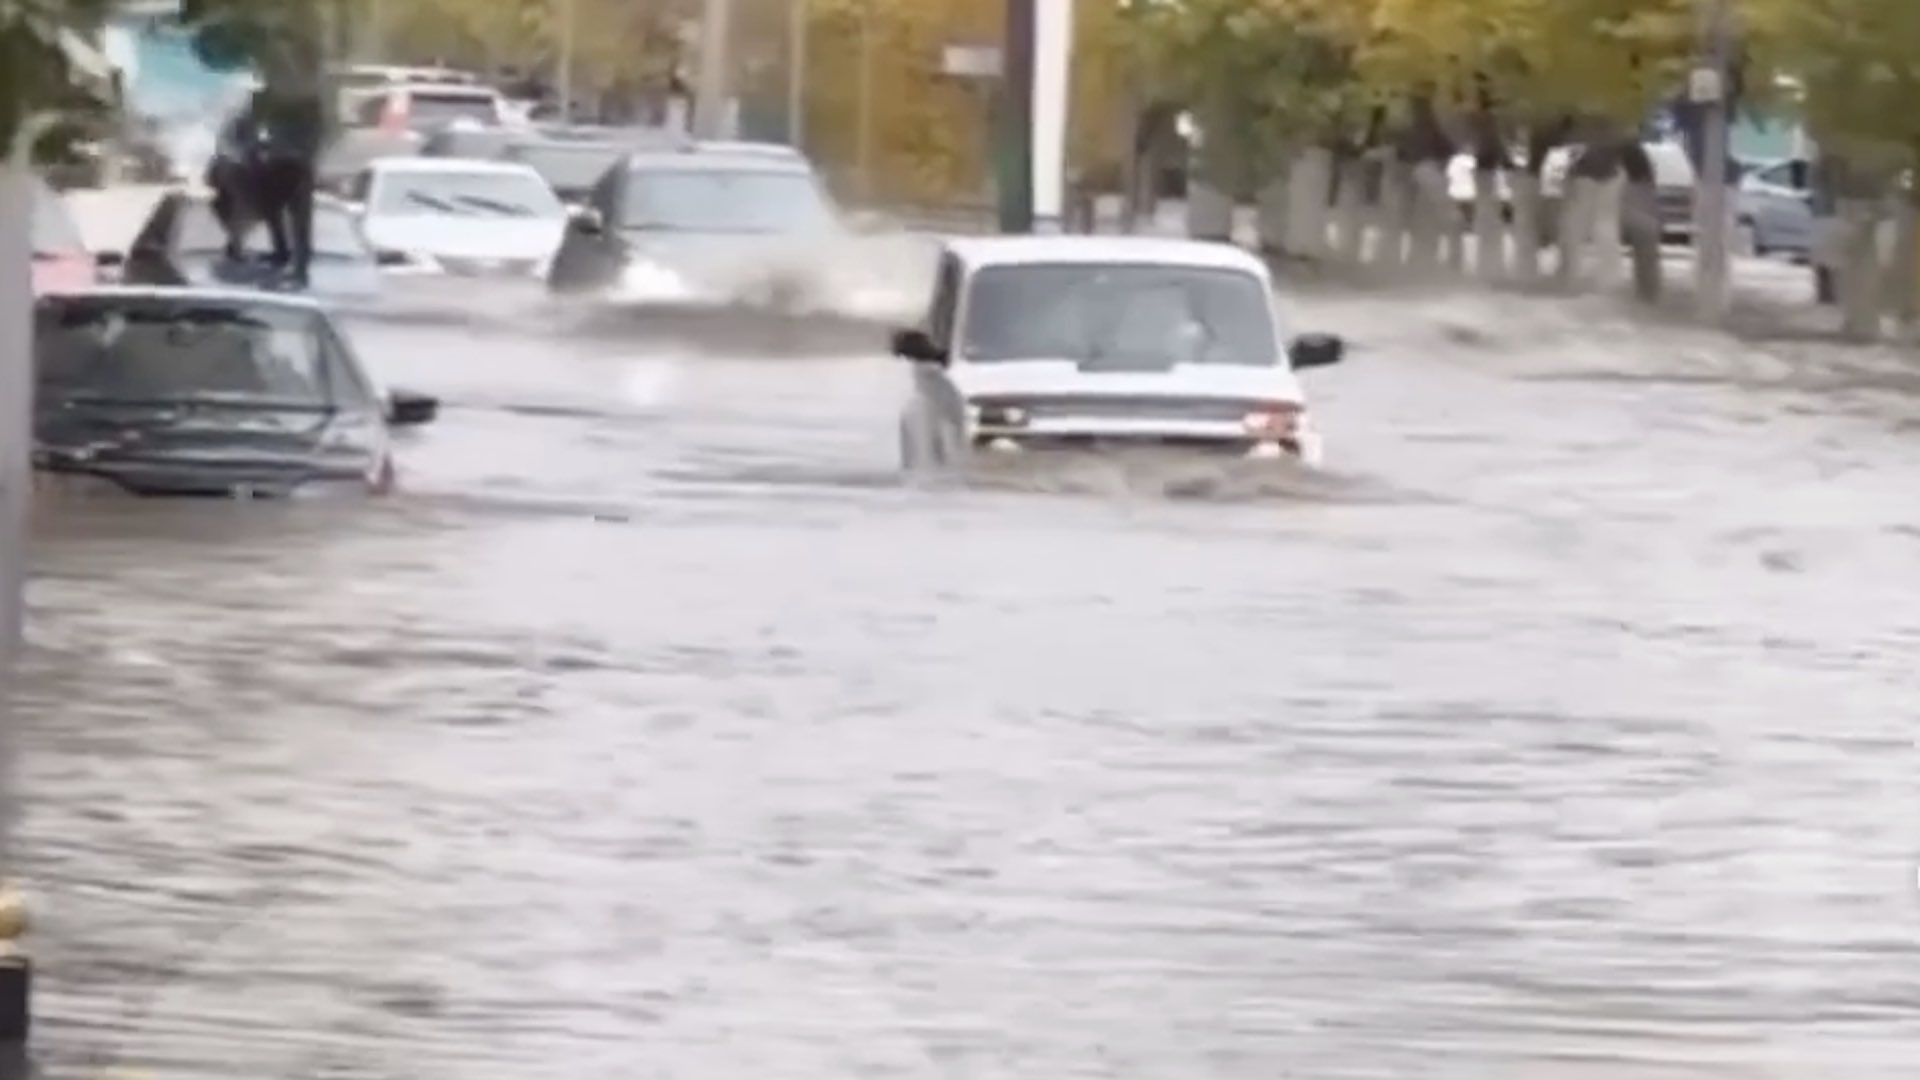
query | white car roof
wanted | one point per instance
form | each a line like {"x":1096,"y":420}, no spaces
{"x":440,"y":89}
{"x":188,"y":293}
{"x":449,"y":165}
{"x":984,"y":251}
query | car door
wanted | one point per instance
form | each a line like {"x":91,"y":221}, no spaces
{"x":359,"y":427}
{"x":1776,"y":199}
{"x":934,"y":385}
{"x":591,"y":254}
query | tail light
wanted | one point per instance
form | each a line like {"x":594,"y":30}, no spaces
{"x":1279,"y":421}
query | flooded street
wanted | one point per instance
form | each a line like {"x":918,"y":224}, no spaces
{"x":1564,"y":733}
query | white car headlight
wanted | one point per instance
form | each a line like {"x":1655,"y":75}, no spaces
{"x":644,"y":279}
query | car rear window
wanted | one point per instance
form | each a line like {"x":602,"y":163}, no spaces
{"x":54,"y":232}
{"x":429,"y":107}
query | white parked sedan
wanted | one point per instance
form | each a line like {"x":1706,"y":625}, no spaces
{"x":453,"y":215}
{"x":1039,"y":342}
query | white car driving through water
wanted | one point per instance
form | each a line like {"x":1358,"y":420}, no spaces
{"x":456,"y":216}
{"x":1033,"y":343}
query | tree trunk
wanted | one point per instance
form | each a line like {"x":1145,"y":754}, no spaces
{"x":1350,"y":211}
{"x":1209,"y":212}
{"x":16,"y":399}
{"x":1526,"y":225}
{"x":1609,"y":248}
{"x":1270,"y":216}
{"x":1489,"y":235}
{"x":1577,"y":211}
{"x":1428,"y":211}
{"x":1308,"y":183}
{"x":1640,"y":221}
{"x":1903,"y":277}
{"x":1858,"y":276}
{"x":1393,"y":214}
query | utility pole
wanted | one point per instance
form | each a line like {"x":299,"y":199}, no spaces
{"x":568,"y":11}
{"x":1708,"y":90}
{"x":797,"y":20}
{"x":1016,"y":120}
{"x":711,"y":81}
{"x":374,"y":40}
{"x":864,"y":104}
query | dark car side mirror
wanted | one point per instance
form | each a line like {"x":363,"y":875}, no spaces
{"x":1316,"y":350}
{"x":918,"y":346}
{"x":406,"y":408}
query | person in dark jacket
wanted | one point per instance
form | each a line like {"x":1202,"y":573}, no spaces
{"x":287,"y":172}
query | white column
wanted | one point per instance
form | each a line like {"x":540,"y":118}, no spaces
{"x":1052,"y":80}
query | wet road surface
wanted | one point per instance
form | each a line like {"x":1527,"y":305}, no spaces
{"x":1566,"y":731}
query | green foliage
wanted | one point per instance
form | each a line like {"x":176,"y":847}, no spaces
{"x":1859,"y":61}
{"x":37,"y":74}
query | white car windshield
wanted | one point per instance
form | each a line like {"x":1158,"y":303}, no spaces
{"x":114,"y":350}
{"x":724,"y":201}
{"x":1119,"y":316}
{"x":490,"y":193}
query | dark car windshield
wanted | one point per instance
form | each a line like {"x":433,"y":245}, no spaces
{"x":569,"y":169}
{"x":335,"y":234}
{"x":1119,"y":315}
{"x":724,"y":201}
{"x":54,"y":232}
{"x":163,"y":351}
{"x":428,"y":108}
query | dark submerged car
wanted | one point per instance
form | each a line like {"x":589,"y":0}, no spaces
{"x":204,"y":392}
{"x":694,"y":227}
{"x":181,"y":244}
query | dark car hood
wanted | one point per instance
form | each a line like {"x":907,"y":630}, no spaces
{"x":185,"y":448}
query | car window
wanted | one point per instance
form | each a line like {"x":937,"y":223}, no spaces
{"x":490,"y":193}
{"x":369,"y":112}
{"x":335,"y":234}
{"x":723,"y":201}
{"x":54,"y":232}
{"x":1119,"y":316}
{"x":146,"y":350}
{"x":427,"y":108}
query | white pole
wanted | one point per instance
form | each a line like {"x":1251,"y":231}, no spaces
{"x":710,"y":85}
{"x":797,"y":19}
{"x":1052,"y":78}
{"x":863,"y":109}
{"x":16,"y":385}
{"x":567,"y":12}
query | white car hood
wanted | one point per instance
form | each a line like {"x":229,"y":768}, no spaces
{"x":458,"y":237}
{"x":1040,"y":378}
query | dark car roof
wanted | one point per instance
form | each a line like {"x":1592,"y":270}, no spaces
{"x":699,"y":160}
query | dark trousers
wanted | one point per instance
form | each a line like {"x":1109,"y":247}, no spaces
{"x":287,"y":188}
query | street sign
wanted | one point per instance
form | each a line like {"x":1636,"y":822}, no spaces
{"x":971,"y":61}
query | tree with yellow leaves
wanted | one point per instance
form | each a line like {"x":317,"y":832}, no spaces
{"x":1859,"y":64}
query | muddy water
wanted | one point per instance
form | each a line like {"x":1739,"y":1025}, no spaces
{"x":1564,"y":732}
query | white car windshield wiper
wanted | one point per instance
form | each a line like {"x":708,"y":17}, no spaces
{"x":507,"y":209}
{"x":432,"y":202}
